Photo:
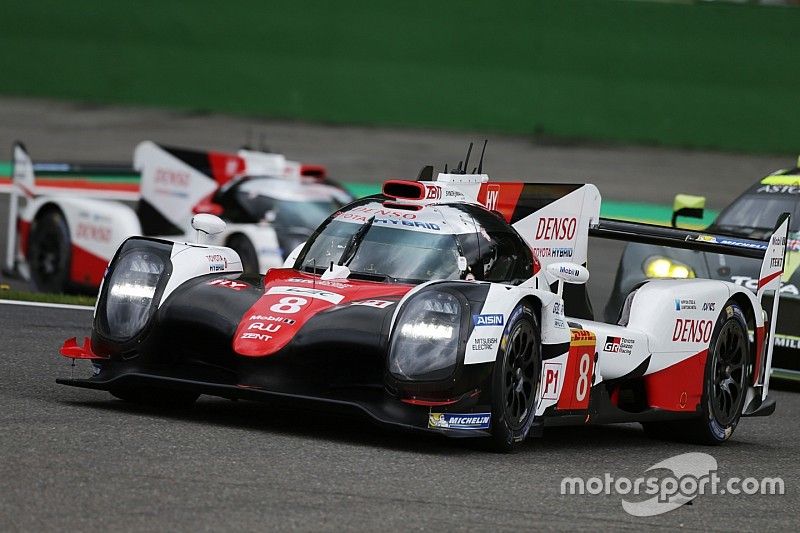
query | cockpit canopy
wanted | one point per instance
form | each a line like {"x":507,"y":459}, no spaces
{"x":418,"y":244}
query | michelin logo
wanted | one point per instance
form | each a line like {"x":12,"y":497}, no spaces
{"x":459,"y":420}
{"x":488,"y":320}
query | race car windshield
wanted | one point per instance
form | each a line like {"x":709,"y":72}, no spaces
{"x":284,"y":213}
{"x":755,"y":216}
{"x":385,"y":252}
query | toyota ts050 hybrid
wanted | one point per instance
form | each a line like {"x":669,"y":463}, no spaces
{"x":750,"y":216}
{"x":452,"y":305}
{"x":63,"y":241}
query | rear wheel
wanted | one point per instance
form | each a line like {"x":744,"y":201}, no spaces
{"x":49,"y":252}
{"x":724,"y":385}
{"x":156,"y":397}
{"x":515,"y":380}
{"x":247,"y":253}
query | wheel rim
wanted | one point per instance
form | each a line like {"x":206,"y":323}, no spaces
{"x":48,"y":254}
{"x":728,"y":373}
{"x":519,"y":372}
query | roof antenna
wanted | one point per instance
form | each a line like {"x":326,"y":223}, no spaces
{"x":466,"y":159}
{"x":445,"y":168}
{"x":426,"y":173}
{"x":483,"y":151}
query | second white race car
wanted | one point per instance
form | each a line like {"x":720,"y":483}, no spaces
{"x":63,"y":242}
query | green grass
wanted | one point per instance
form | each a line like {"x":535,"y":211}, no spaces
{"x":25,"y":296}
{"x":707,"y":74}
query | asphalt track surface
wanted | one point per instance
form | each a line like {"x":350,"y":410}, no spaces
{"x":75,"y":459}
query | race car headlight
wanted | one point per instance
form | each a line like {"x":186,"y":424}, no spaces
{"x":664,"y":267}
{"x":130,"y":291}
{"x":426,"y":337}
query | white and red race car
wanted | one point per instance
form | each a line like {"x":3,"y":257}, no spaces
{"x":63,"y":241}
{"x":453,"y":305}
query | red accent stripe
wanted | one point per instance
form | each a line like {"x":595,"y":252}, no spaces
{"x":73,"y":351}
{"x":428,"y":403}
{"x":501,"y":197}
{"x":24,"y":230}
{"x":393,"y":188}
{"x":678,"y":387}
{"x":86,"y":268}
{"x":80,"y":183}
{"x":760,"y":349}
{"x":765,"y":280}
{"x":313,"y":171}
{"x":225,"y":166}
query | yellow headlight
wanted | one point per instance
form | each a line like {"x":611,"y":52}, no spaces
{"x":663,"y":267}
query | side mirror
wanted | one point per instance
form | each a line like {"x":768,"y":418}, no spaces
{"x":686,"y":205}
{"x":568,"y":273}
{"x":208,"y":224}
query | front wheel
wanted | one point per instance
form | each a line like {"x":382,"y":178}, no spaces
{"x":247,"y":253}
{"x":515,"y":380}
{"x":724,"y":385}
{"x":49,"y":252}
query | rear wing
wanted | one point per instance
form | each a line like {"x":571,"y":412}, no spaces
{"x":771,"y":252}
{"x":108,"y":181}
{"x":553,"y":218}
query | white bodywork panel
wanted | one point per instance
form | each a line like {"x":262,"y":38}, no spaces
{"x":193,"y":260}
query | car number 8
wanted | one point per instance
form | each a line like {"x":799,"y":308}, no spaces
{"x":583,"y":378}
{"x":288,"y":305}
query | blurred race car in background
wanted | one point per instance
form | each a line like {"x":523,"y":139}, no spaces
{"x":440,"y":306}
{"x":63,"y":242}
{"x":750,"y":216}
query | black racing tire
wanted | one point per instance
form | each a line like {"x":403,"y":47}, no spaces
{"x":247,"y":253}
{"x":50,"y":252}
{"x":728,"y":368}
{"x":515,"y":380}
{"x":156,"y":397}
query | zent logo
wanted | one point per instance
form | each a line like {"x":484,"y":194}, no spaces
{"x":434,"y":193}
{"x":488,"y":320}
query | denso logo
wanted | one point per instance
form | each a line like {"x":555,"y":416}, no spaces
{"x":168,"y":176}
{"x":488,"y":320}
{"x":553,"y":228}
{"x":691,"y":330}
{"x":93,"y":232}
